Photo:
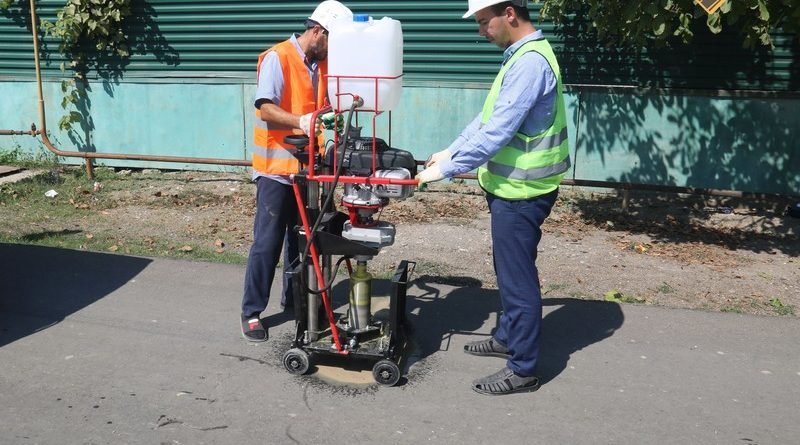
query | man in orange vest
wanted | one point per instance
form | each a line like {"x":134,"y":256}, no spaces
{"x":291,"y":86}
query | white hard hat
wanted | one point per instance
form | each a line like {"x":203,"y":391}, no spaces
{"x":476,"y":5}
{"x":328,"y":11}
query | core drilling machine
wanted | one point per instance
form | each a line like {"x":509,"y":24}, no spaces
{"x":371,"y":173}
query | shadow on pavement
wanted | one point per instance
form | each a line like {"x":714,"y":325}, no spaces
{"x":571,"y":327}
{"x":40,"y":286}
{"x":461,"y":311}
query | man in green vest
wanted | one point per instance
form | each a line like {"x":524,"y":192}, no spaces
{"x":519,"y":145}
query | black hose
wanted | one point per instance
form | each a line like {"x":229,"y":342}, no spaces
{"x":326,"y":205}
{"x":329,"y":285}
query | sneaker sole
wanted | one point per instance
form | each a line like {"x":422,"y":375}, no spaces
{"x":513,"y":391}
{"x":488,"y":354}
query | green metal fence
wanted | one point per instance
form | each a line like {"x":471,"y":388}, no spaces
{"x":221,"y":38}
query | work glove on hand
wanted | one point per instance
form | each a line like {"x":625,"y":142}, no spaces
{"x":438,"y":156}
{"x":331,"y":121}
{"x":431,"y":173}
{"x":305,"y":123}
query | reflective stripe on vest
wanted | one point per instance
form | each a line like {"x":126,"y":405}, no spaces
{"x":530,"y":174}
{"x":538,"y":143}
{"x":528,"y":166}
{"x":271,"y":155}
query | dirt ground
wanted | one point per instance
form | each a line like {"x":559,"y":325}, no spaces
{"x":736,"y":255}
{"x":675,"y":251}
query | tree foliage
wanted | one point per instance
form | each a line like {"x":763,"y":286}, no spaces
{"x":656,"y":22}
{"x":87,"y":31}
{"x":97,"y":22}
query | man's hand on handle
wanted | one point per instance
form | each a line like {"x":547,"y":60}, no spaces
{"x":432,"y":173}
{"x":438,"y":156}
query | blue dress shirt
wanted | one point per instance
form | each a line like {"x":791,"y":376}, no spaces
{"x":525,"y":103}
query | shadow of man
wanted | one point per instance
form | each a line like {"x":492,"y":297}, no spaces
{"x":571,"y":327}
{"x":435,"y":315}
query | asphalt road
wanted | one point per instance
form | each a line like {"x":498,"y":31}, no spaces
{"x":108,"y":349}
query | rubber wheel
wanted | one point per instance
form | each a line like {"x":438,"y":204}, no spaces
{"x":296,"y":361}
{"x":386,"y":372}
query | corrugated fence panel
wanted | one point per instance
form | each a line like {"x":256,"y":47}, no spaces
{"x":16,"y":45}
{"x":220,"y":39}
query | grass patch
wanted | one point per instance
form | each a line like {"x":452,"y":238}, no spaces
{"x":780,"y":308}
{"x":619,"y":297}
{"x":80,"y":240}
{"x":665,"y":288}
{"x":79,"y":216}
{"x":41,"y":159}
{"x":554,"y":287}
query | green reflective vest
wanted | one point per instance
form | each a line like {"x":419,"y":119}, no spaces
{"x":529,"y":165}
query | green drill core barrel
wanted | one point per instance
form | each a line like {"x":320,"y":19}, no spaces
{"x":360,"y":292}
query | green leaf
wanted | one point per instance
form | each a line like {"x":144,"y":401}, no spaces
{"x":64,"y":123}
{"x":763,"y":11}
{"x":714,"y":23}
{"x":659,"y":26}
{"x":686,"y":20}
{"x":766,"y":39}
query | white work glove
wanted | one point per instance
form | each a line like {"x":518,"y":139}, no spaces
{"x":330,"y":121}
{"x":305,"y":123}
{"x":438,"y":156}
{"x":431,"y":174}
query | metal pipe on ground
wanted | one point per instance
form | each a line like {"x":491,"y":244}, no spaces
{"x":88,"y":156}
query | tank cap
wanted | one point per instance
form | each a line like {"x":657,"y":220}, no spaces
{"x":360,"y":17}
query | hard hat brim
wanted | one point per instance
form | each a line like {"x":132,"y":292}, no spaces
{"x":470,"y":13}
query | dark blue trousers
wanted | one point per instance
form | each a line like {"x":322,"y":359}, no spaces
{"x":276,"y":216}
{"x":516,"y":232}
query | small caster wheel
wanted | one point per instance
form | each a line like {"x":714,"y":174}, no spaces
{"x":386,"y":373}
{"x":296,"y":361}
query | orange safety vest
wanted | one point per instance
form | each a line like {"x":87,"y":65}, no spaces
{"x":271,"y":155}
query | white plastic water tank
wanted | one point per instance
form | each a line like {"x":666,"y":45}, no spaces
{"x":364,"y":47}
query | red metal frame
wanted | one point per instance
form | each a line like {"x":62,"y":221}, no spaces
{"x":312,"y":177}
{"x":353,"y":179}
{"x":317,"y":268}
